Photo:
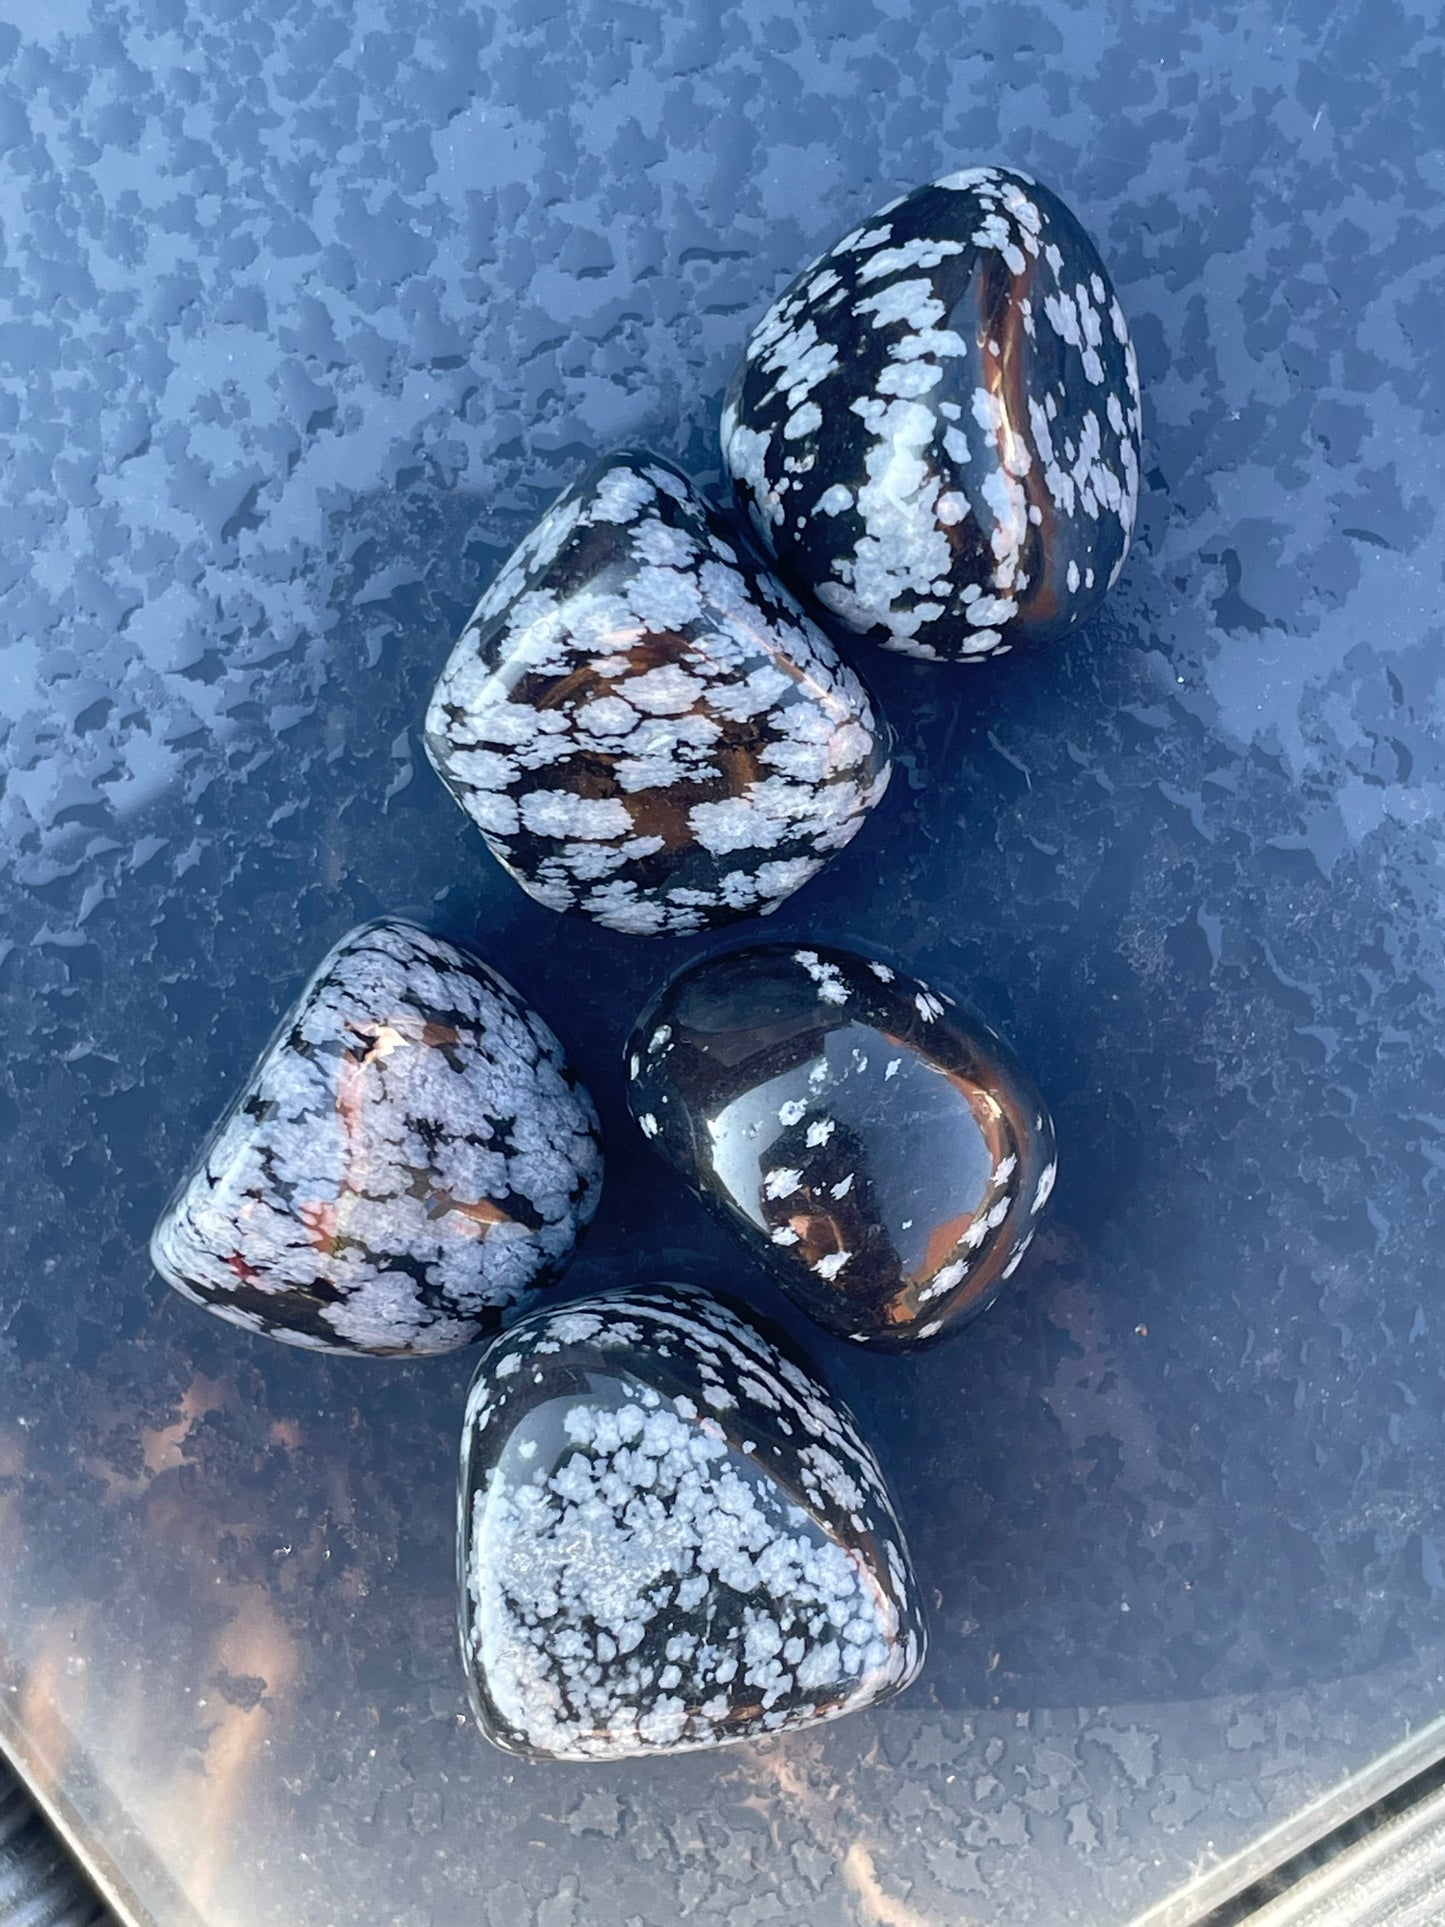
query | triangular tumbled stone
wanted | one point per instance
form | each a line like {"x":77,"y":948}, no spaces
{"x":642,"y":722}
{"x":671,"y":1537}
{"x":409,"y":1156}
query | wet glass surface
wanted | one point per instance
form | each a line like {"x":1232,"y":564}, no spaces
{"x":306,"y":317}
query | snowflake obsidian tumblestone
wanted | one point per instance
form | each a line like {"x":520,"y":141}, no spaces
{"x":669,"y":1537}
{"x":935,"y":429}
{"x":885,"y":1155}
{"x":642,"y":722}
{"x":409,"y":1156}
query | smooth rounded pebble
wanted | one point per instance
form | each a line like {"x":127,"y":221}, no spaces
{"x":670,"y":1536}
{"x":885,"y":1155}
{"x":643,"y":723}
{"x":935,"y":428}
{"x":409,"y":1157}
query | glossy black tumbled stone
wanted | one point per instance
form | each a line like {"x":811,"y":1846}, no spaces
{"x":935,"y":428}
{"x":887,"y":1156}
{"x":643,"y":723}
{"x":670,"y":1536}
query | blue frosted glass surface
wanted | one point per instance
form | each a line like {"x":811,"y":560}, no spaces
{"x":305,"y":313}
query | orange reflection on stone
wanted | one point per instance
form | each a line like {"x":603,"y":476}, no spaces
{"x":478,"y":1218}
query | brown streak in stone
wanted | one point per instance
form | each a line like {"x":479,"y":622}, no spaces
{"x":818,"y":1234}
{"x":584,"y":683}
{"x":1041,"y":541}
{"x":320,"y":1218}
{"x":943,"y":1241}
{"x":480,"y":1217}
{"x":381,"y":1040}
{"x":735,"y":757}
{"x":477,"y":1216}
{"x":1005,"y":376}
{"x":991,"y":1116}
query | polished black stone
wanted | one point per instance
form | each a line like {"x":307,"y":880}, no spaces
{"x":669,"y":1536}
{"x":643,"y":723}
{"x":885,"y":1154}
{"x":411,"y":1154}
{"x":935,"y":428}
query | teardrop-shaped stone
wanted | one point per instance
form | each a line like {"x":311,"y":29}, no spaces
{"x":642,"y":722}
{"x":670,"y":1536}
{"x":885,"y":1155}
{"x":410,"y":1155}
{"x":935,"y":429}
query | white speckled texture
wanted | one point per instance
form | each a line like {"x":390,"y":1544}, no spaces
{"x":935,"y":429}
{"x":408,"y":1157}
{"x":670,"y":1537}
{"x":643,"y":724}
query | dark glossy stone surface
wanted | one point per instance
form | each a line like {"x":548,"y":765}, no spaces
{"x":935,"y":428}
{"x":670,"y":1536}
{"x":884,"y":1153}
{"x":409,"y":1156}
{"x":643,"y":724}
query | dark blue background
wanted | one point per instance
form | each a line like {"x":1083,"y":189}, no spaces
{"x":305,"y":313}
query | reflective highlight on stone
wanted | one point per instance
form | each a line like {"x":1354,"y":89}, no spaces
{"x":884,"y":1154}
{"x":643,"y":723}
{"x":409,"y":1156}
{"x":935,"y":428}
{"x":670,"y":1536}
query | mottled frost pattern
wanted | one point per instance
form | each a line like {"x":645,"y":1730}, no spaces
{"x":918,"y":503}
{"x":681,"y":1574}
{"x":644,"y":726}
{"x":409,"y":1156}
